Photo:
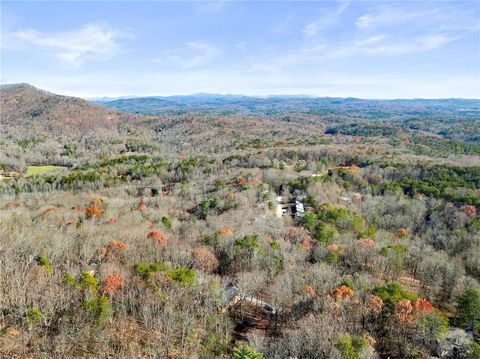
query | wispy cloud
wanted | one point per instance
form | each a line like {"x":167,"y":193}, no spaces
{"x":328,"y":18}
{"x":448,"y":18}
{"x":210,"y":7}
{"x":203,"y":53}
{"x":390,"y":17}
{"x":192,"y":55}
{"x":96,"y":42}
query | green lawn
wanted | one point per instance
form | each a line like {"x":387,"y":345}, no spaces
{"x":36,"y":170}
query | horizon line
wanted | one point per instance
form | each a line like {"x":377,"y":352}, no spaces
{"x":269,"y":95}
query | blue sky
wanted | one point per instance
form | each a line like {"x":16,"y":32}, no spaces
{"x":378,"y":49}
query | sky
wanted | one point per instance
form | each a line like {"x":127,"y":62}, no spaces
{"x":365,"y":49}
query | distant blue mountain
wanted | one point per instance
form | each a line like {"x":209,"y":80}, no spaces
{"x":278,"y":104}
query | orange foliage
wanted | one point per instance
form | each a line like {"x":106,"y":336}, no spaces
{"x":118,"y":245}
{"x":342,"y":292}
{"x":367,"y":242}
{"x":157,"y":236}
{"x":423,"y":306}
{"x":97,"y":203}
{"x":49,"y":210}
{"x":112,"y":283}
{"x":225,"y":231}
{"x":403,"y":311}
{"x":206,"y":260}
{"x":469,"y":210}
{"x":309,"y":291}
{"x":307,"y":242}
{"x":93,"y":212}
{"x":229,"y":196}
{"x":332,"y":248}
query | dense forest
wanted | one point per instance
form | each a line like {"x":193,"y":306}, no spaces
{"x":237,"y":227}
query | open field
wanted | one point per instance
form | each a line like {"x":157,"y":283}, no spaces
{"x":36,"y":170}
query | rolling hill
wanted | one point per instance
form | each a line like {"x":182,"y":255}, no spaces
{"x":24,"y":105}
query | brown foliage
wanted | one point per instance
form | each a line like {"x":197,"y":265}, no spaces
{"x":206,"y":260}
{"x":469,"y":210}
{"x":373,"y":304}
{"x":403,"y":311}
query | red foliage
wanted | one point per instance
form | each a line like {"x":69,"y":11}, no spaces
{"x":158,"y":237}
{"x":423,"y":306}
{"x":112,"y":220}
{"x":112,"y":283}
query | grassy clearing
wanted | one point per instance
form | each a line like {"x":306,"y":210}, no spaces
{"x":36,"y":170}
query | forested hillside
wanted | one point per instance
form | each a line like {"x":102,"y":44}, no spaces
{"x":240,"y":227}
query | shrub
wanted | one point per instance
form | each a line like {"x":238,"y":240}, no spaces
{"x":350,"y":345}
{"x":392,"y":293}
{"x":324,"y":233}
{"x":167,"y":222}
{"x":246,"y":352}
{"x":182,"y":275}
{"x":468,"y":308}
{"x":34,"y":315}
{"x":146,"y":270}
{"x":43,"y":262}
